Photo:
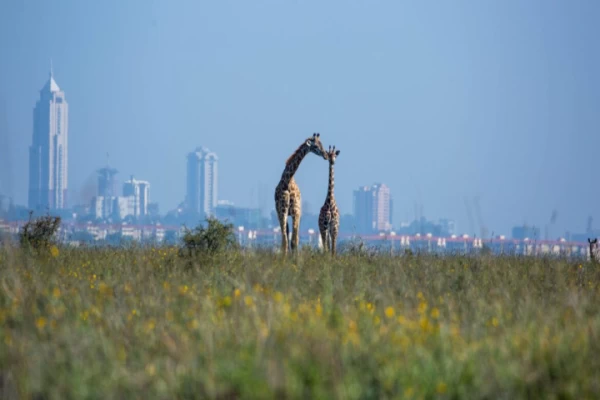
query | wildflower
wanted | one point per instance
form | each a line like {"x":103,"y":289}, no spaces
{"x":435,"y":313}
{"x":278,"y":297}
{"x":376,"y":320}
{"x":54,"y":251}
{"x":424,"y":324}
{"x":183,"y":289}
{"x":248,"y":300}
{"x":389,"y":312}
{"x":56,"y":292}
{"x":319,"y":310}
{"x":40,"y":323}
{"x":150,"y":325}
{"x":166,"y":285}
{"x":422,"y":307}
{"x":495,"y":322}
{"x":441,"y":388}
{"x":237,"y":293}
{"x":227,"y":301}
{"x":420,"y":295}
{"x":150,"y":369}
{"x":84,"y":315}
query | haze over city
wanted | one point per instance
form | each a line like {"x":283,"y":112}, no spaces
{"x":439,"y":101}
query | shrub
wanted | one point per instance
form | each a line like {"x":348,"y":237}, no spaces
{"x":38,"y":234}
{"x":215,"y":238}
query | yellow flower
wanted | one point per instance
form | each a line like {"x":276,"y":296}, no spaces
{"x":389,"y":312}
{"x":278,"y":297}
{"x":183,"y":289}
{"x":495,"y":321}
{"x":40,"y":322}
{"x":54,"y":251}
{"x":422,"y":307}
{"x":150,"y":325}
{"x":248,"y":300}
{"x":441,"y":388}
{"x":435,"y":313}
{"x":420,"y":296}
{"x":227,"y":301}
{"x":150,"y":369}
{"x":56,"y":292}
{"x":319,"y":310}
{"x":237,"y":293}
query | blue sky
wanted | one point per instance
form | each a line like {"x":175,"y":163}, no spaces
{"x":439,"y":100}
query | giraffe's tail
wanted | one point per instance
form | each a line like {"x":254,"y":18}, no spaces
{"x":287,"y":228}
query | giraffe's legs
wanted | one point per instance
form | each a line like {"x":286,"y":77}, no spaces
{"x":333,"y":235}
{"x":282,"y":214}
{"x":295,"y":233}
{"x":296,"y":213}
{"x":324,"y":238}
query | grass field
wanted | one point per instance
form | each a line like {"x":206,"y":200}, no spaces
{"x":144,"y":323}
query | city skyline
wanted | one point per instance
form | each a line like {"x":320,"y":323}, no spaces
{"x":443,"y":103}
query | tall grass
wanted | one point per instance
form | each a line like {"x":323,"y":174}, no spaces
{"x":145,"y":323}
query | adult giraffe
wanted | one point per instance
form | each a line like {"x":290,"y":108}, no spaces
{"x":288,"y":200}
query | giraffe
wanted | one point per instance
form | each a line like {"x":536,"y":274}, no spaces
{"x":329,"y":217}
{"x":288,"y":200}
{"x":594,"y":250}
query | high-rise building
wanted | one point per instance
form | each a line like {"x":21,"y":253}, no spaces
{"x":202,"y":174}
{"x":106,"y":181}
{"x":373,"y":208}
{"x":139,"y":190}
{"x":48,"y":154}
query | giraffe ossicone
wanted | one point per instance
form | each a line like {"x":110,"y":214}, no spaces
{"x":288,"y":201}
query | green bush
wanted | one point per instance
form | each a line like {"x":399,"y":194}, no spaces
{"x":216,"y":237}
{"x":39,"y":234}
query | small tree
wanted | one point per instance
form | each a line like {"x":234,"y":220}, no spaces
{"x":38,"y":234}
{"x":215,"y":238}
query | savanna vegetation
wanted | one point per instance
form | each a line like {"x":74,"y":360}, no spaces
{"x":167,"y":322}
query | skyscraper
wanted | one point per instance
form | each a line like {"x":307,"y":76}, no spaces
{"x":373,"y":208}
{"x":48,"y":154}
{"x":202,"y":174}
{"x":139,"y":190}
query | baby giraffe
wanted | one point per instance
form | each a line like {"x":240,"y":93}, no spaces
{"x":594,"y":250}
{"x":329,"y":218}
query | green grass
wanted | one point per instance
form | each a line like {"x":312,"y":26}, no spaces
{"x":135,"y":323}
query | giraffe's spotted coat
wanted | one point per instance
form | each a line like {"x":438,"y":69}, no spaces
{"x":288,"y":201}
{"x":329,"y":217}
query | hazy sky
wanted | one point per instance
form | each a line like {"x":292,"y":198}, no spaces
{"x":441,"y":100}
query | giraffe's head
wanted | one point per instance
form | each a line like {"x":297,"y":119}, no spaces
{"x":332,"y":154}
{"x":315,"y":146}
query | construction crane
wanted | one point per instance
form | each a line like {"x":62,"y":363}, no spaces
{"x":483,"y":231}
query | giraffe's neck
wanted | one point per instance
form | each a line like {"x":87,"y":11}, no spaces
{"x":330,"y":188}
{"x":292,"y":164}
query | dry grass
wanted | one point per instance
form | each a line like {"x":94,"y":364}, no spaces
{"x":143,"y":323}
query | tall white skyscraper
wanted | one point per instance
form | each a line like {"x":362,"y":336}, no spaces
{"x":48,"y":154}
{"x":139,"y":190}
{"x":202,"y":182}
{"x":373,"y":208}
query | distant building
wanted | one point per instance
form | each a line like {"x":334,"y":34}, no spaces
{"x":112,"y":207}
{"x":140,"y":191}
{"x":447,"y":227}
{"x":106,"y":182}
{"x":202,"y":174}
{"x":373,"y":207}
{"x":249,"y":218}
{"x":522,"y":232}
{"x":48,"y":153}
